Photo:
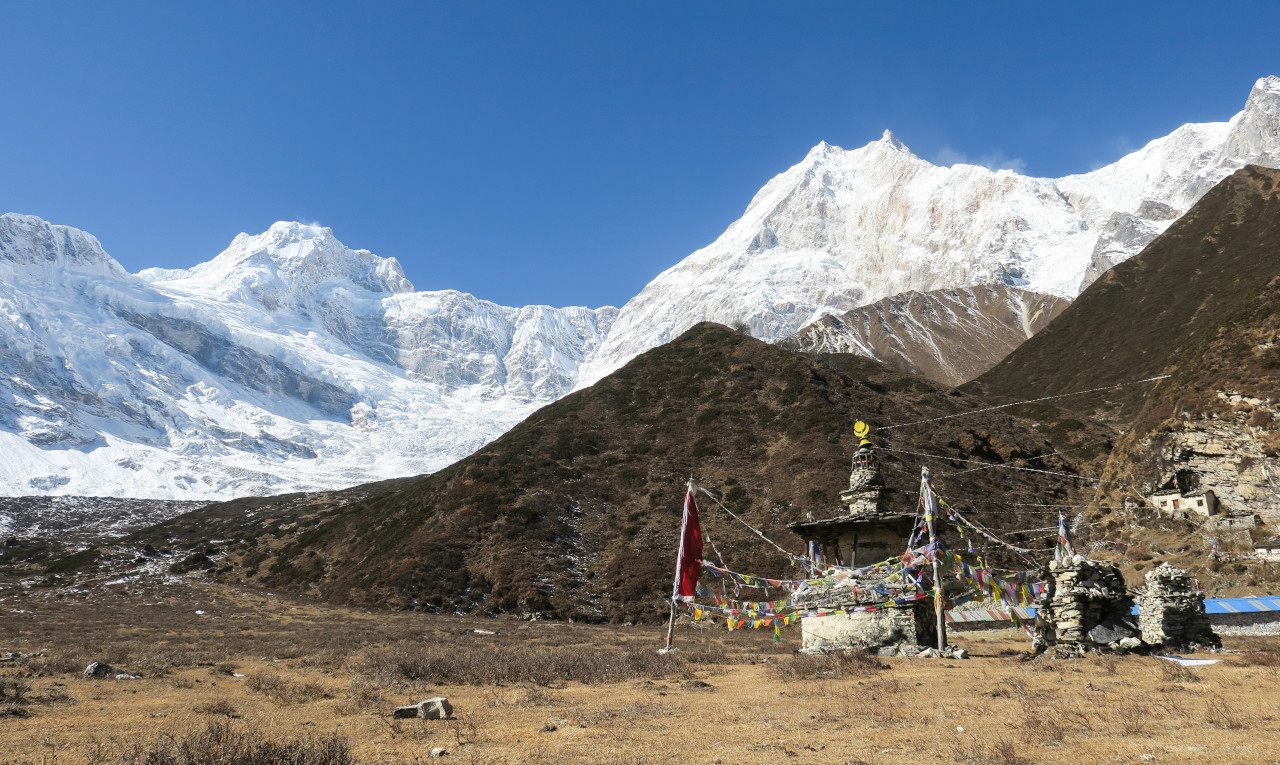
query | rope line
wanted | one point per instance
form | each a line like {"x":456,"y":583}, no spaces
{"x":753,"y":529}
{"x":995,"y":464}
{"x":1028,"y":401}
{"x":1027,"y":459}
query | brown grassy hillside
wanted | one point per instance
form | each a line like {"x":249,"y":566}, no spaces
{"x":575,"y":511}
{"x":1155,"y":312}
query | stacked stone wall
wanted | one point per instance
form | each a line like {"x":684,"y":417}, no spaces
{"x":1171,"y":611}
{"x":1090,"y":606}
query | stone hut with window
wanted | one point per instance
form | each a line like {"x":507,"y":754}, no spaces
{"x":1181,"y":496}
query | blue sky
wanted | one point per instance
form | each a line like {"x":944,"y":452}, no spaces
{"x":561,"y":153}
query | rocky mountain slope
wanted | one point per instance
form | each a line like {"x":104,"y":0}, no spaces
{"x":845,"y":228}
{"x":1201,"y":303}
{"x":575,"y":511}
{"x":288,"y":362}
{"x":949,"y":336}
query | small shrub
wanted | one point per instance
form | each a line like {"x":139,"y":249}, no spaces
{"x":1219,"y":714}
{"x":972,"y":751}
{"x":362,"y":697}
{"x":1050,"y":723}
{"x":1133,"y":718}
{"x":833,"y":666}
{"x":221,"y":707}
{"x":1173,"y":672}
{"x":14,"y":688}
{"x":224,"y":744}
{"x":283,"y":691}
{"x":1260,"y":659}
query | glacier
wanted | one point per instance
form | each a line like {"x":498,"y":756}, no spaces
{"x":290,"y":362}
{"x":287,"y":363}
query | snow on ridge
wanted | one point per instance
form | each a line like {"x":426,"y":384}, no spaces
{"x":290,"y":362}
{"x":287,"y":363}
{"x":846,"y":227}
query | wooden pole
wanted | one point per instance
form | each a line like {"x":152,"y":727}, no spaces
{"x":671,"y":625}
{"x":675,"y":584}
{"x":926,"y":493}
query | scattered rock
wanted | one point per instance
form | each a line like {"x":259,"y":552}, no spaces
{"x":437,"y":708}
{"x":1112,"y":631}
{"x":439,"y":751}
{"x":98,"y":669}
{"x":950,"y":652}
{"x":127,"y":676}
{"x":550,"y":728}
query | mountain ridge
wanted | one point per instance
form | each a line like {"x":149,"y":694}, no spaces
{"x":843,"y":228}
{"x":291,"y":362}
{"x":949,"y":336}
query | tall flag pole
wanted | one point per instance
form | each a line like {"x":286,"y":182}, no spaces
{"x":688,"y":560}
{"x":930,"y":512}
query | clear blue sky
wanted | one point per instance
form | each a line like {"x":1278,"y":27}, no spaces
{"x":561,"y":153}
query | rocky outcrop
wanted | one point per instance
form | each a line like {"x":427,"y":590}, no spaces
{"x":950,"y":336}
{"x":437,"y":708}
{"x":1229,"y":454}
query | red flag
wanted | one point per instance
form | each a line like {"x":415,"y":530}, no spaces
{"x":689,"y":560}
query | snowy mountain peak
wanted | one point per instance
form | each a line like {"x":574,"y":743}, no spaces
{"x":290,"y":265}
{"x":846,"y":228}
{"x":1265,"y":88}
{"x":27,"y":240}
{"x":891,"y":141}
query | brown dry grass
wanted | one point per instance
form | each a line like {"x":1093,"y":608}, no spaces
{"x":272,"y":675}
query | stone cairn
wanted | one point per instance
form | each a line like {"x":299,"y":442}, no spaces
{"x":1172,"y":611}
{"x":1086,"y":608}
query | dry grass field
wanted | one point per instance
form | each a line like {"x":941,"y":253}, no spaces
{"x":241,"y":676}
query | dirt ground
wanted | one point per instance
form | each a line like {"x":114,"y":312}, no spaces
{"x":283,"y":669}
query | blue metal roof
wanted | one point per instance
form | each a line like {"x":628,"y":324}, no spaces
{"x":1211,"y":606}
{"x":1241,"y":605}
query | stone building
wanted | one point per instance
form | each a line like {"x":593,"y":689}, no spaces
{"x":865,"y":532}
{"x":1171,"y":611}
{"x":1268,"y":549}
{"x":1182,"y":496}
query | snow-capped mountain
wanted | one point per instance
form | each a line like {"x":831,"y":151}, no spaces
{"x":291,"y":362}
{"x":288,"y":362}
{"x":844,"y":228}
{"x":950,"y":336}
